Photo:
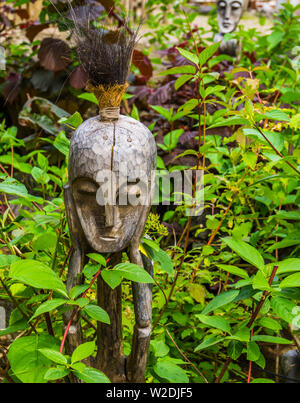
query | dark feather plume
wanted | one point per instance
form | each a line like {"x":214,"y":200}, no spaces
{"x":105,"y":55}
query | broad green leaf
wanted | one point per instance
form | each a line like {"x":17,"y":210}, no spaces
{"x":182,"y":80}
{"x":40,"y":176}
{"x":288,"y":265}
{"x":262,"y":380}
{"x":27,"y":362}
{"x":161,"y":257}
{"x":56,"y":373}
{"x":159,"y":347}
{"x":215,"y":321}
{"x":98,"y":258}
{"x":170,"y":371}
{"x":291,"y":281}
{"x":198,"y":292}
{"x":210,"y":341}
{"x":73,"y":121}
{"x":232,"y":121}
{"x":208,"y":53}
{"x":234,"y":270}
{"x":235,"y":349}
{"x":271,"y":339}
{"x":242,"y":334}
{"x":253,"y":351}
{"x":17,"y":326}
{"x":36,"y":274}
{"x":260,"y":282}
{"x":270,"y":323}
{"x":187,"y":69}
{"x":49,"y":306}
{"x":78,"y":290}
{"x":62,"y":143}
{"x":83,"y":351}
{"x":95,"y":312}
{"x":92,"y":375}
{"x":223,"y":299}
{"x":277,"y":115}
{"x":188,"y":55}
{"x":133,"y":272}
{"x":283,"y":308}
{"x":88,"y":96}
{"x":246,"y":252}
{"x":54,"y":356}
{"x":112,"y":278}
{"x":7,"y":260}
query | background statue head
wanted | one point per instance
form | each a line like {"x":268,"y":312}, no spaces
{"x":229,"y":14}
{"x":110,"y":169}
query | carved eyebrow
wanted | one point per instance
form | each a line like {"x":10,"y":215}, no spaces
{"x":86,"y":187}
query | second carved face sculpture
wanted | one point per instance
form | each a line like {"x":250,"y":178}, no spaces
{"x":229,"y":14}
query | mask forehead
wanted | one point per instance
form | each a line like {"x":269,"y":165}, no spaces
{"x":96,"y":147}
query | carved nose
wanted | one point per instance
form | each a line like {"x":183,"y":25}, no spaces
{"x":109,"y":215}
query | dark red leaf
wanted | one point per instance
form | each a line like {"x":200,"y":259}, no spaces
{"x":12,"y":87}
{"x":33,"y":29}
{"x":78,"y":78}
{"x":54,"y":54}
{"x":143,"y":63}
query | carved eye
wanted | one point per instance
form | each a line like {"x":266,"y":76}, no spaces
{"x":85,"y":187}
{"x":222,"y":4}
{"x":236,"y":5}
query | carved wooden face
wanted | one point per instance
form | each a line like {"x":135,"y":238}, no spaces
{"x":229,"y":14}
{"x":106,"y":186}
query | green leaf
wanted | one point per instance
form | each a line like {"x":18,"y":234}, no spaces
{"x":271,"y":339}
{"x":210,"y":341}
{"x":215,"y":321}
{"x":27,"y":362}
{"x":277,"y":115}
{"x":283,"y":308}
{"x":7,"y":260}
{"x":288,"y":265}
{"x":235,"y":349}
{"x":40,"y":176}
{"x":56,"y":373}
{"x":48,"y":306}
{"x":270,"y":323}
{"x":92,"y":375}
{"x":208,"y":53}
{"x":253,"y":351}
{"x":198,"y":292}
{"x":188,"y":55}
{"x":260,"y":282}
{"x":182,"y":80}
{"x":160,"y":256}
{"x":160,"y":348}
{"x":88,"y":96}
{"x":242,"y":334}
{"x":133,"y":272}
{"x":232,"y":121}
{"x":95,"y":312}
{"x":54,"y":356}
{"x":291,"y":281}
{"x":98,"y":258}
{"x":83,"y":351}
{"x":62,"y":143}
{"x":162,"y":111}
{"x":234,"y":270}
{"x":246,"y":252}
{"x":112,"y":278}
{"x":36,"y":274}
{"x":74,"y":120}
{"x":223,"y":299}
{"x":187,"y":69}
{"x":262,"y":380}
{"x":170,"y":371}
{"x":17,"y":326}
{"x":250,"y":159}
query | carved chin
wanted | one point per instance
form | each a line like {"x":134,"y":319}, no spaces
{"x":228,"y":27}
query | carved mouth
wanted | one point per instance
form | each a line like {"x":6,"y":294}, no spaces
{"x":108,"y":238}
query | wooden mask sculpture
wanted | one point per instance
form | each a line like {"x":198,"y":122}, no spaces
{"x":109,"y":154}
{"x":229,"y":15}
